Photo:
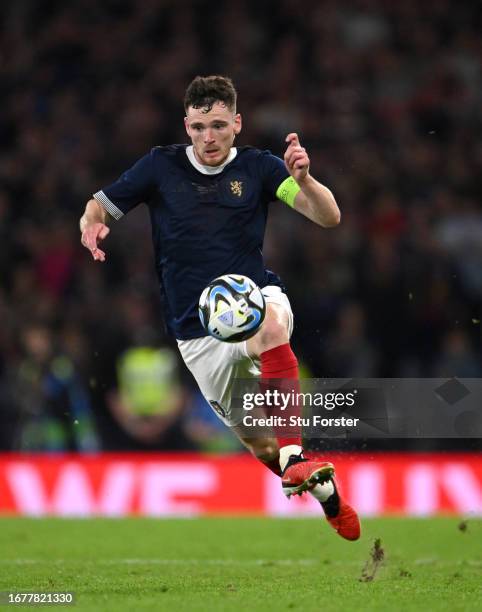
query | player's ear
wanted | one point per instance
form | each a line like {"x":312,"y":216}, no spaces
{"x":238,"y":124}
{"x":186,"y":125}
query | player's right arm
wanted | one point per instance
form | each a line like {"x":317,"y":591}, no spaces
{"x":93,"y":228}
{"x":113,"y":202}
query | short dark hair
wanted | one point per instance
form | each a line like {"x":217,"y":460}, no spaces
{"x":204,"y":92}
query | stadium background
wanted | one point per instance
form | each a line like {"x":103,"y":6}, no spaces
{"x":385,"y":96}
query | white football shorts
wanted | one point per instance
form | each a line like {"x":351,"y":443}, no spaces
{"x":215,"y":364}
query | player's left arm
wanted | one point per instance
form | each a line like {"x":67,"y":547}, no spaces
{"x":312,"y":199}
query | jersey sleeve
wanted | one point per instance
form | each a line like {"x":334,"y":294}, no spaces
{"x":277,"y":181}
{"x":129,"y":190}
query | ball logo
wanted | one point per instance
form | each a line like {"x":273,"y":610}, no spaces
{"x":227,"y":318}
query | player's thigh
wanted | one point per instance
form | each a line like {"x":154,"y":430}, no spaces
{"x":279,"y":311}
{"x":215,"y":366}
{"x":275,"y":296}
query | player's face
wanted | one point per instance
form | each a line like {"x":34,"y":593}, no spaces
{"x":212,"y":133}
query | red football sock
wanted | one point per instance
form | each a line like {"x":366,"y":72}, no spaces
{"x":279,"y":366}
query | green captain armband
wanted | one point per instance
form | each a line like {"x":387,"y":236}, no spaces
{"x":287,"y":191}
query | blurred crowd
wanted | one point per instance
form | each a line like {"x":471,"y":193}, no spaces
{"x":386,"y":98}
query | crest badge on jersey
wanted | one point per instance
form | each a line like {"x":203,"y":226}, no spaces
{"x":218,"y":408}
{"x":236,"y":188}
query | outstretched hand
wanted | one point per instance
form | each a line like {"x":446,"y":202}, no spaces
{"x":296,"y":158}
{"x":91,"y":236}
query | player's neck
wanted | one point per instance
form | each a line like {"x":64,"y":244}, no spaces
{"x":191,"y":154}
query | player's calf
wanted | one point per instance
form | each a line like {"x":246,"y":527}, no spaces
{"x":265,"y":450}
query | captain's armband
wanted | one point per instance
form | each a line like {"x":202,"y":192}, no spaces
{"x":287,"y":191}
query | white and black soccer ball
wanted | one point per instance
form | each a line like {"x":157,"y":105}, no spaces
{"x":232,"y":308}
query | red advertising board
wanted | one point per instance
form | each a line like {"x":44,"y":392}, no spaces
{"x":194,"y":484}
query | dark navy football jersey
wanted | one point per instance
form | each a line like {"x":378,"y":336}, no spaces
{"x":203,"y":226}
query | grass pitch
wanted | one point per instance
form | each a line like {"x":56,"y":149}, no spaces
{"x":255,"y":564}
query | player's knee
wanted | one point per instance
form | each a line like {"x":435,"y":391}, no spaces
{"x":273,"y":333}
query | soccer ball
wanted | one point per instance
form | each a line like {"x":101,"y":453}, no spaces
{"x":232,"y":308}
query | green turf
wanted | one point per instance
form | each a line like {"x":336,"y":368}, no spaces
{"x":243,"y":564}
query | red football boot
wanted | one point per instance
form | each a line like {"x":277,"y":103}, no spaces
{"x":341,"y":516}
{"x":302,"y":475}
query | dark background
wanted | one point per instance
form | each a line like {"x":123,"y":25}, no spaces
{"x":386,"y":98}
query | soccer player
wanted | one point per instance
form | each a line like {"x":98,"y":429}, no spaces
{"x":208,"y":206}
